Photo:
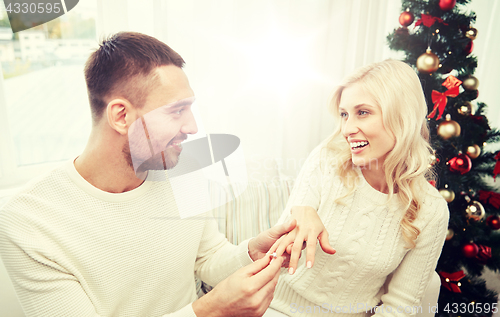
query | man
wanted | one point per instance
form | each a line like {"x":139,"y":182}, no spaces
{"x":94,"y":237}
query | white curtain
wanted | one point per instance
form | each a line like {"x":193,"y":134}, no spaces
{"x":263,"y":70}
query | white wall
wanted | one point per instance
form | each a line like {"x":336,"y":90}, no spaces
{"x":263,"y":70}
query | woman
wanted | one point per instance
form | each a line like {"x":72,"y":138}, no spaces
{"x":369,"y":185}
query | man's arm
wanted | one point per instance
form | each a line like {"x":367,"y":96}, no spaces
{"x":45,"y":287}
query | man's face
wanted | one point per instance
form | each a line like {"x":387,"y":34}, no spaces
{"x":162,"y":124}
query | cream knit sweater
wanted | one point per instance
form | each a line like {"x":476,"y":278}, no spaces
{"x":74,"y":250}
{"x":368,"y":238}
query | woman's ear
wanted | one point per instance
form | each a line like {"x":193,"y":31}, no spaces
{"x":121,"y":114}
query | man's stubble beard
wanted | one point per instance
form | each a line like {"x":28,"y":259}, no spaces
{"x":171,"y":158}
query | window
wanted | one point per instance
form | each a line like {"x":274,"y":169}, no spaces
{"x":44,"y":116}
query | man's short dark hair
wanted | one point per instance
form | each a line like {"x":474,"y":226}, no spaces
{"x":123,"y":64}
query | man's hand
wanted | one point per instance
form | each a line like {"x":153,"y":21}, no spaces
{"x":260,"y":245}
{"x":247,"y":292}
{"x":309,"y":228}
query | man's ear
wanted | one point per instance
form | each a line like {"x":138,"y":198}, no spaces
{"x":120,"y":114}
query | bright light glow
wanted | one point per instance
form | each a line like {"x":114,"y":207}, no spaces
{"x":279,"y":62}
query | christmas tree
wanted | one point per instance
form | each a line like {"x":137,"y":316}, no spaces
{"x":437,"y":38}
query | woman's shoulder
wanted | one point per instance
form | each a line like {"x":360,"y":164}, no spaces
{"x":433,"y":204}
{"x":432,"y":195}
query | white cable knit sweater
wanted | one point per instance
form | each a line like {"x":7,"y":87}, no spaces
{"x":74,"y":250}
{"x":368,"y":238}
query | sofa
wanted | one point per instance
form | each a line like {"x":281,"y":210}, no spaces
{"x":259,"y":206}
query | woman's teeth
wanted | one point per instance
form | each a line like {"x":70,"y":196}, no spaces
{"x":355,"y":145}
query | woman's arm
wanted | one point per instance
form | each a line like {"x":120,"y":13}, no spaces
{"x":302,"y":205}
{"x":411,"y":278}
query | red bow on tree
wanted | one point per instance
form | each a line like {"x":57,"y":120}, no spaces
{"x":484,"y":254}
{"x":440,"y":98}
{"x":448,"y":278}
{"x":491,"y":198}
{"x":496,"y":170}
{"x":428,"y":20}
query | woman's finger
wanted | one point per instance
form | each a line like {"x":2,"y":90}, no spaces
{"x":295,"y":254}
{"x":311,"y":251}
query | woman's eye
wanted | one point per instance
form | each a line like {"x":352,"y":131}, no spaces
{"x":343,"y":115}
{"x":362,"y":112}
{"x":179,"y":112}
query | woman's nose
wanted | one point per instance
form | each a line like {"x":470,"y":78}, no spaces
{"x":349,"y":127}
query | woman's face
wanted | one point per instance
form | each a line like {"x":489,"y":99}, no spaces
{"x":363,"y":128}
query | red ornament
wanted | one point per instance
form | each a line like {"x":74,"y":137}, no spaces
{"x":448,"y":278}
{"x":469,"y":47}
{"x":470,"y":250}
{"x":460,"y":164}
{"x":493,"y":222}
{"x":484,"y":254}
{"x":406,"y":18}
{"x":447,"y":5}
{"x":432,"y":182}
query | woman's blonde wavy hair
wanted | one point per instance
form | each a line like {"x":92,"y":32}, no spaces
{"x":396,"y":89}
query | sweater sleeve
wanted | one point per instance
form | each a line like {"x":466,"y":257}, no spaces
{"x":44,"y":287}
{"x":411,"y":278}
{"x":307,"y":188}
{"x":217,"y":258}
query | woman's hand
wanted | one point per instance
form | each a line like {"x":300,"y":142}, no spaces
{"x":309,"y":229}
{"x":259,"y":246}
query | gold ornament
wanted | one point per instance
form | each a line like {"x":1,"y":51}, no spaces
{"x":447,"y":194}
{"x":465,"y":108}
{"x":475,"y":211}
{"x":470,"y":83}
{"x":473,"y":151}
{"x":448,"y":128}
{"x":432,"y":160}
{"x":428,"y":62}
{"x":450,"y":234}
{"x":471,"y":33}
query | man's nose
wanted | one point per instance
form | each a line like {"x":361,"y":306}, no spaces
{"x":189,"y":125}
